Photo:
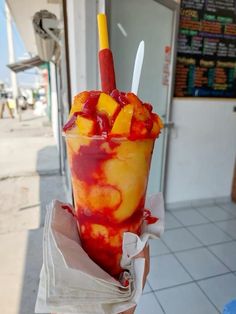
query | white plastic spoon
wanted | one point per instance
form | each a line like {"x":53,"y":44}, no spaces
{"x":137,"y":68}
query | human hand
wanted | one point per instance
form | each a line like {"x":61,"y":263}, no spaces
{"x":146,"y":255}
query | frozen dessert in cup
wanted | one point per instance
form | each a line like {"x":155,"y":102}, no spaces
{"x":110,"y":139}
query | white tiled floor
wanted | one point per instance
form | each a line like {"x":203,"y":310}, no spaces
{"x":190,"y":217}
{"x":215,"y":213}
{"x":229,"y":227}
{"x":193,"y":267}
{"x":180,"y":239}
{"x":158,"y":248}
{"x":209,"y":234}
{"x":226,"y":252}
{"x":166,"y":271}
{"x":188,"y":299}
{"x":220,"y":296}
{"x":171,"y":221}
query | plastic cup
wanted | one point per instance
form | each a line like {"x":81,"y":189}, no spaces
{"x":109,"y":181}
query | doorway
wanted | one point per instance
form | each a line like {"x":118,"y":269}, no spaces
{"x":155,"y":22}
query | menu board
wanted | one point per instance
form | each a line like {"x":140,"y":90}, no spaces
{"x":206,"y":54}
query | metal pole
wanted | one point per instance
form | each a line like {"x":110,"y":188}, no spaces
{"x":59,"y":127}
{"x":11,"y":55}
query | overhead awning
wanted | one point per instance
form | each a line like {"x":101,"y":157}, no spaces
{"x":23,"y":11}
{"x":25,"y":64}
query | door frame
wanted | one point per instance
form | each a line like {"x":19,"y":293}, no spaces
{"x":175,"y":7}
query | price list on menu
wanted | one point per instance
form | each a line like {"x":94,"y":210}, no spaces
{"x":206,"y":55}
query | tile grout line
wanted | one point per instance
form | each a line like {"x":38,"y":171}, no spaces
{"x":204,"y":224}
{"x":215,"y":203}
{"x":228,"y":211}
{"x":193,"y":280}
{"x":153,"y":292}
{"x":219,"y":259}
{"x":203,"y":246}
{"x":196,"y":283}
{"x":194,"y":248}
{"x":156,"y":298}
{"x":198,"y":224}
{"x":189,"y":282}
{"x":223,"y":220}
{"x":228,"y":234}
{"x":206,"y":246}
{"x":201,"y":224}
{"x":194,"y":224}
{"x":232,"y":216}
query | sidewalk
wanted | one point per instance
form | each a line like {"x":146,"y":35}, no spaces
{"x":29,"y":179}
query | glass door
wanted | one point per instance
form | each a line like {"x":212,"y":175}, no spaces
{"x":155,"y":22}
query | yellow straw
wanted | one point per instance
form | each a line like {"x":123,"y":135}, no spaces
{"x":102,"y":31}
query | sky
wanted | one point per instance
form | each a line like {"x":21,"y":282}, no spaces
{"x":24,"y":78}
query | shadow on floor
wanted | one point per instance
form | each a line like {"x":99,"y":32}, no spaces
{"x":51,"y":187}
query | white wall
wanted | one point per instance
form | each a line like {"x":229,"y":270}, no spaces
{"x":82,"y":35}
{"x":202,"y":149}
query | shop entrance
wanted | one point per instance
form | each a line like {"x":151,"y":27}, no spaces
{"x":155,"y":22}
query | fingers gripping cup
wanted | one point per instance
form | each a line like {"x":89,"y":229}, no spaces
{"x":110,"y":140}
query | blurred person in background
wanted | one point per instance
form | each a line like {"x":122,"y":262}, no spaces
{"x":4,"y":102}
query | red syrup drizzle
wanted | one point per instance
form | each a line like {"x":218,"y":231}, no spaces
{"x":103,"y":124}
{"x":87,"y":167}
{"x":108,"y":256}
{"x":106,"y":252}
{"x":104,"y":219}
{"x":69,"y":210}
{"x":103,"y":254}
{"x":149,"y":218}
{"x":70,"y":123}
{"x":89,"y":159}
{"x":125,"y":283}
{"x":124,"y":280}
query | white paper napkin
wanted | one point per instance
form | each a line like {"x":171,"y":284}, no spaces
{"x":70,"y":282}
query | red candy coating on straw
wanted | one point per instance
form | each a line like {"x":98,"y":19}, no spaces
{"x":107,"y":72}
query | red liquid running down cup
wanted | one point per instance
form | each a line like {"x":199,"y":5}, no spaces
{"x":109,"y":160}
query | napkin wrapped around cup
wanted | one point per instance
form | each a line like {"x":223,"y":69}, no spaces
{"x":70,"y":282}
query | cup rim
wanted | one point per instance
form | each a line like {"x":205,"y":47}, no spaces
{"x":102,"y":138}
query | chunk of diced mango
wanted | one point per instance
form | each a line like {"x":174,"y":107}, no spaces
{"x":123,"y":121}
{"x":140,"y":111}
{"x":85,"y":126}
{"x":157,"y":125}
{"x":107,"y":104}
{"x":78,"y":102}
{"x":133,"y":99}
{"x":155,"y":129}
{"x":160,"y":122}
